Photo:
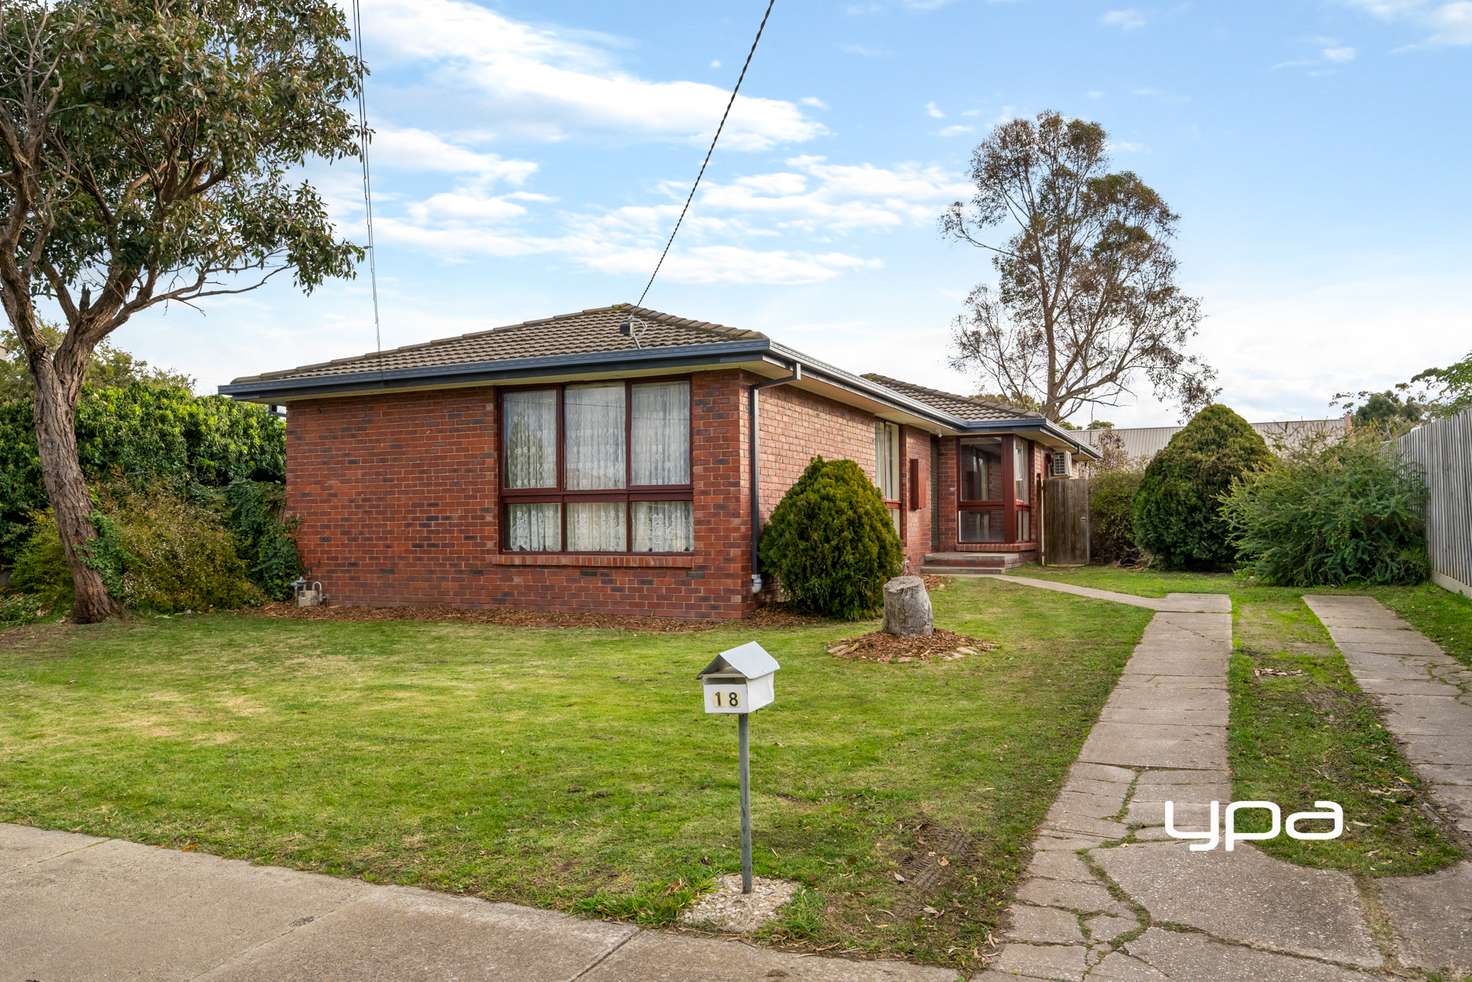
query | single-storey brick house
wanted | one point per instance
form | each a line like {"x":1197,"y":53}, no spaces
{"x":604,"y":461}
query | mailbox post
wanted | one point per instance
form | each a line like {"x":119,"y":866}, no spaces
{"x":739,"y":682}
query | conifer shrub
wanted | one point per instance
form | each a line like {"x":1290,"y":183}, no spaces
{"x":1178,"y":507}
{"x":830,"y":542}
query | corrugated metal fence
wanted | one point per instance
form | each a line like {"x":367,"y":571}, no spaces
{"x":1443,"y":449}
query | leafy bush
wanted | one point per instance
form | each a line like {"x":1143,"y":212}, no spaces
{"x":40,"y":565}
{"x":830,"y":542}
{"x":156,"y":551}
{"x":140,"y":434}
{"x":1112,"y":516}
{"x":263,"y":535}
{"x":1349,"y":513}
{"x":1177,"y":514}
{"x":21,"y":608}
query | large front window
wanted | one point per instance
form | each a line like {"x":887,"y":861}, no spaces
{"x":603,"y":467}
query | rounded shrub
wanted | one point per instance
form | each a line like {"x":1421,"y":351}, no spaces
{"x":1351,"y":513}
{"x":1178,"y":507}
{"x":1112,"y":515}
{"x":830,"y":542}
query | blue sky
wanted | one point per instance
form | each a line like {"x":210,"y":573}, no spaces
{"x":530,"y":158}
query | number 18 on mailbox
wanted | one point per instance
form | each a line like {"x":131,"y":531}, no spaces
{"x":739,"y":680}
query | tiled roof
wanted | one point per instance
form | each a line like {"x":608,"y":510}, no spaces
{"x":961,"y":407}
{"x":585,"y":332}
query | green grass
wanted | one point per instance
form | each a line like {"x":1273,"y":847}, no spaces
{"x":572,"y":769}
{"x":1301,"y":730}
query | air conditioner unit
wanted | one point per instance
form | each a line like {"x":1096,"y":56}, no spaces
{"x":1060,"y":464}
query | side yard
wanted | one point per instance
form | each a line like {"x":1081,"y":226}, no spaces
{"x":574,"y":768}
{"x":1302,"y":730}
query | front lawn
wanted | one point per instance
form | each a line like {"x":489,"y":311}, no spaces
{"x":574,"y":768}
{"x":1301,"y":729}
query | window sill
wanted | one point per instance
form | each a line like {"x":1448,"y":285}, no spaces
{"x":614,"y":560}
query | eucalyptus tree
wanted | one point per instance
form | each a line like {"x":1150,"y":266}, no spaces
{"x":1086,"y":300}
{"x":151,"y":153}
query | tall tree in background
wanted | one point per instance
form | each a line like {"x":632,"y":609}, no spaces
{"x":147,"y":151}
{"x":1086,"y":300}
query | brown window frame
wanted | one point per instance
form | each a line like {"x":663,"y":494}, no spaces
{"x":562,"y":497}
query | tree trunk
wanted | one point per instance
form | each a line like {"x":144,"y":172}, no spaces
{"x":56,"y":438}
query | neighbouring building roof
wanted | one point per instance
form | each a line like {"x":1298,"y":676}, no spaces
{"x":592,"y":343}
{"x":1141,"y":443}
{"x":961,"y":407}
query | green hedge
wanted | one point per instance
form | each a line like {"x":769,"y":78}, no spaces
{"x":1178,"y":507}
{"x":830,"y":542}
{"x":155,"y":549}
{"x":1348,"y":514}
{"x":1112,"y":515}
{"x":139,"y":434}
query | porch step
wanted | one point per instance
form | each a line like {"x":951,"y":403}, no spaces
{"x":971,"y":563}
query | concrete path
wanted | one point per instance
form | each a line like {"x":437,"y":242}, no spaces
{"x":76,"y":908}
{"x":1183,"y":603}
{"x":1110,"y":896}
{"x":1425,"y":700}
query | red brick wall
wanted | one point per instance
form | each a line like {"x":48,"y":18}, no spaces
{"x":798,"y":425}
{"x":918,"y":446}
{"x":397,"y":498}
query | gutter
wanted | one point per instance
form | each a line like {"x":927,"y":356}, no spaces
{"x":753,"y":424}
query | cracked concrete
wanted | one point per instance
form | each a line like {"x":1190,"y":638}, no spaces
{"x":1166,"y":912}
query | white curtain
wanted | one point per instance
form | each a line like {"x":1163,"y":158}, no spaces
{"x":663,"y":526}
{"x":534,"y":528}
{"x":661,"y":433}
{"x":531,"y":439}
{"x":595,"y":526}
{"x":594,"y":417}
{"x":887,"y":460}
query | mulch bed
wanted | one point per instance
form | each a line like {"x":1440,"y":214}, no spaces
{"x":882,"y":647}
{"x":764,"y":617}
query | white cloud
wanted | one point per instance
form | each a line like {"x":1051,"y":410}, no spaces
{"x":1444,"y":23}
{"x":715,"y":63}
{"x":861,"y":50}
{"x":1331,"y":51}
{"x":934,"y":111}
{"x":956,"y":129}
{"x":415,"y":149}
{"x":813,"y":101}
{"x":1095,"y":93}
{"x":539,"y":77}
{"x":725,"y":239}
{"x":1125,"y":18}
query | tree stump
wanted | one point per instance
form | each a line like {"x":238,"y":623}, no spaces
{"x":907,"y":607}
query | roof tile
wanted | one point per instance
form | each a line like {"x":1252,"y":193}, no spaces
{"x":586,"y":332}
{"x":961,"y":407}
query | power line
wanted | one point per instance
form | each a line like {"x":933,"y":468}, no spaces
{"x":691,"y":197}
{"x":367,"y":177}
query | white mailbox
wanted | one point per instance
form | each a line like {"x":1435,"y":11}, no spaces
{"x":739,"y":680}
